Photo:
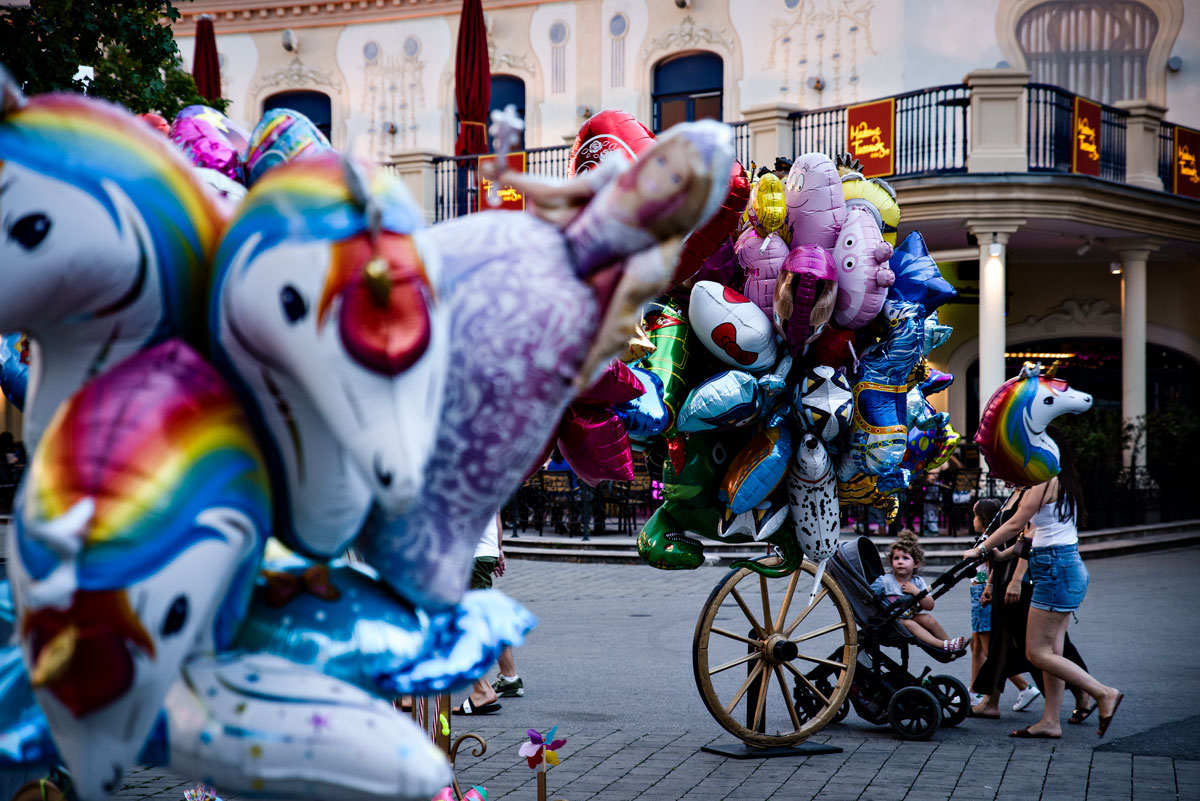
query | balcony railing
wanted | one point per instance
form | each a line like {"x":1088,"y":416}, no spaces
{"x":741,"y":143}
{"x":930,"y":135}
{"x":1051,"y":118}
{"x":1166,"y":153}
{"x":456,"y":178}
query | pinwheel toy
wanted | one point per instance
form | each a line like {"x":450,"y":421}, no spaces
{"x":540,"y":752}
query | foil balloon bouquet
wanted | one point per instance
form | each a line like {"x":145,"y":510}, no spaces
{"x":788,"y":373}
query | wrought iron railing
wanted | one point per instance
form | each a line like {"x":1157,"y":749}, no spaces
{"x":1051,"y":131}
{"x":456,"y":178}
{"x":741,"y":142}
{"x":931,"y":128}
{"x":1166,"y":154}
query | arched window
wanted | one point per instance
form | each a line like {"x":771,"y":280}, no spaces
{"x":314,"y":105}
{"x":1095,"y":48}
{"x":508,"y":90}
{"x":687,"y":88}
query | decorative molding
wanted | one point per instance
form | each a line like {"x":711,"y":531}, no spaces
{"x":501,"y":60}
{"x":688,"y":36}
{"x":295,"y":74}
{"x":248,"y":16}
{"x":1074,"y":314}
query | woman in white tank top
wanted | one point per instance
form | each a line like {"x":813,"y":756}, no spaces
{"x":1060,"y":582}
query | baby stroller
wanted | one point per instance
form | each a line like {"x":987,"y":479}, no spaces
{"x":882,"y":690}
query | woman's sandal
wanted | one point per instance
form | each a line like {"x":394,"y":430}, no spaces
{"x":467,"y":708}
{"x":1104,"y":721}
{"x":1026,"y":734}
{"x":1080,"y":715}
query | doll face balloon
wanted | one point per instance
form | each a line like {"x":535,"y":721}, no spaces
{"x":861,"y":257}
{"x":334,"y":330}
{"x":136,"y":541}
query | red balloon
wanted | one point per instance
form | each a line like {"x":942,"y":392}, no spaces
{"x":612,"y":131}
{"x":832,"y":348}
{"x":617,"y":384}
{"x":705,"y":240}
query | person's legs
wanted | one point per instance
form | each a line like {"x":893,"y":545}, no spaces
{"x":508,"y":667}
{"x":1043,"y":646}
{"x":930,"y":624}
{"x":927,"y":636}
{"x":481,"y":579}
{"x":508,"y":684}
{"x":1019,"y":682}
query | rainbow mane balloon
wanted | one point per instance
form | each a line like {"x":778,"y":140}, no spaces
{"x":159,"y":441}
{"x":96,"y":147}
{"x":1012,"y":432}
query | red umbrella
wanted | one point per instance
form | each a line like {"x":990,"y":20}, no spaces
{"x":205,"y":68}
{"x":472,"y":81}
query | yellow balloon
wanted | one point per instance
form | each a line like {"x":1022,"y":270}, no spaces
{"x":770,"y":206}
{"x":879,"y":197}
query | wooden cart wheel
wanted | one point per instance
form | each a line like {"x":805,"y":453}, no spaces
{"x":41,"y":790}
{"x":758,"y":637}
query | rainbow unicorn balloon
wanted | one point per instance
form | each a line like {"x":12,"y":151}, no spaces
{"x":109,"y":236}
{"x":1012,"y":432}
{"x":324,"y":311}
{"x":139,"y":530}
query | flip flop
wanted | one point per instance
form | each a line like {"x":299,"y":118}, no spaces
{"x":1104,"y":721}
{"x":1026,"y":734}
{"x":467,"y":708}
{"x":1080,"y":715}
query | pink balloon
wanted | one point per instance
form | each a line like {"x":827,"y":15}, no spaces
{"x":595,"y":443}
{"x":863,"y":275}
{"x":617,"y":384}
{"x":761,"y":260}
{"x":816,"y":205}
{"x":813,"y":277}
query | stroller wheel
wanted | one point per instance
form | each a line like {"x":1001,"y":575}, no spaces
{"x":952,"y":696}
{"x":842,"y":712}
{"x":914,"y":713}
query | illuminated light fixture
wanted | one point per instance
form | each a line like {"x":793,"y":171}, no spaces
{"x":995,"y":249}
{"x":1031,"y":355}
{"x":1114,"y":267}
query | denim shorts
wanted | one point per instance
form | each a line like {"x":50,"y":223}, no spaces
{"x":981,"y":616}
{"x":1059,"y":578}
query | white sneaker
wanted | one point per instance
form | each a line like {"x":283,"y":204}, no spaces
{"x":1026,"y":697}
{"x":976,"y":699}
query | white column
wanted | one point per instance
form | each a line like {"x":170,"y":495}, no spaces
{"x":992,"y":237}
{"x":1133,"y":339}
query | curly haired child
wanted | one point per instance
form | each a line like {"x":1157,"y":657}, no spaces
{"x":906,"y":556}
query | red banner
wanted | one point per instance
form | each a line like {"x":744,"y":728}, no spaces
{"x":509,"y":197}
{"x":871,"y":136}
{"x":1186,"y":149}
{"x":1085,"y":148}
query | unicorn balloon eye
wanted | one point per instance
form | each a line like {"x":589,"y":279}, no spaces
{"x":294,"y":307}
{"x":30,"y":230}
{"x":176,"y":616}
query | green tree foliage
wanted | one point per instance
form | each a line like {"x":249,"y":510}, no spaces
{"x":128,"y":43}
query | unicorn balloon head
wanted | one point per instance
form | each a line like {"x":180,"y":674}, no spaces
{"x":1012,"y":432}
{"x":138,"y":531}
{"x":108,"y":234}
{"x":324,"y":307}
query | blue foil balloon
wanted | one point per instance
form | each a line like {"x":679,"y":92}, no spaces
{"x":757,"y":470}
{"x":727,"y":400}
{"x":645,"y":416}
{"x":14,"y":373}
{"x":24,"y":733}
{"x":918,"y":278}
{"x":371,"y":638}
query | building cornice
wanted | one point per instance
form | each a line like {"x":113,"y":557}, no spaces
{"x":246,"y":16}
{"x":1074,"y":198}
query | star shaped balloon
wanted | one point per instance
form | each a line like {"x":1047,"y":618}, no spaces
{"x":538,"y":746}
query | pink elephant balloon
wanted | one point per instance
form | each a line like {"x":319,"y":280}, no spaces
{"x":816,"y":204}
{"x":761,"y":259}
{"x":863,"y":275}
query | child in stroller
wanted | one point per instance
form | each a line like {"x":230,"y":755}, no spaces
{"x":882,"y":690}
{"x":906,"y":557}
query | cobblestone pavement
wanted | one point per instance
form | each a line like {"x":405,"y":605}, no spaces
{"x":610,"y":664}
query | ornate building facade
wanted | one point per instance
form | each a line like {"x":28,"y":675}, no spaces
{"x":1100,"y":269}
